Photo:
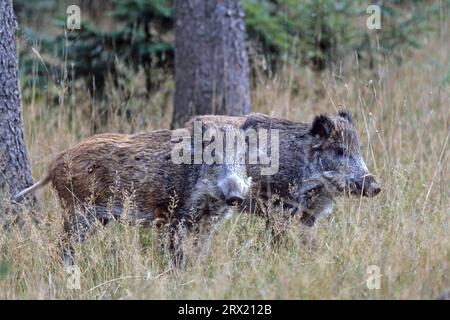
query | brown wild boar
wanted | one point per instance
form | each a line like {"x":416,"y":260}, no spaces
{"x":95,"y":179}
{"x":317,"y":161}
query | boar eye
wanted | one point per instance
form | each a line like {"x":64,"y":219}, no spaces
{"x":340,"y":151}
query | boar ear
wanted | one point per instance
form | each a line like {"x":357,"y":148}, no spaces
{"x":253,"y":121}
{"x":346,"y":115}
{"x":322,"y":126}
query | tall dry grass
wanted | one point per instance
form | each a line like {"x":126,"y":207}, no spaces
{"x":403,"y":116}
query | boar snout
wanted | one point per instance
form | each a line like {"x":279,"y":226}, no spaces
{"x":234,"y":189}
{"x":369,"y":186}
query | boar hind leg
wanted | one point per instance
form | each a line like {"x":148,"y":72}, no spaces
{"x":77,"y":225}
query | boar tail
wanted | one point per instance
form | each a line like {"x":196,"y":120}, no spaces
{"x":19,"y":197}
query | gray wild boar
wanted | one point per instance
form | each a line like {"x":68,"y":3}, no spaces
{"x":96,"y":178}
{"x":317,"y":161}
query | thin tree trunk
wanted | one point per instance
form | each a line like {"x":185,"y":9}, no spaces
{"x":211,"y":62}
{"x":15,"y":172}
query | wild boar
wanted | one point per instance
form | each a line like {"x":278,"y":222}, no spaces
{"x":98,"y":177}
{"x":317,"y":161}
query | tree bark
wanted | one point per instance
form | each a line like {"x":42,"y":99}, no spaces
{"x":211,"y":62}
{"x":15,"y":172}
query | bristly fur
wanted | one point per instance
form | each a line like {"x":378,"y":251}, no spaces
{"x":96,"y":177}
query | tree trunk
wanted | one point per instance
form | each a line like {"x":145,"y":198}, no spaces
{"x":15,"y":172}
{"x":211,"y":63}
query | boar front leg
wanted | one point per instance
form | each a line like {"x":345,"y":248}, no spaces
{"x":184,"y":221}
{"x":205,"y":214}
{"x":204,"y":233}
{"x":177,"y":235}
{"x":316,"y":202}
{"x":277,"y":223}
